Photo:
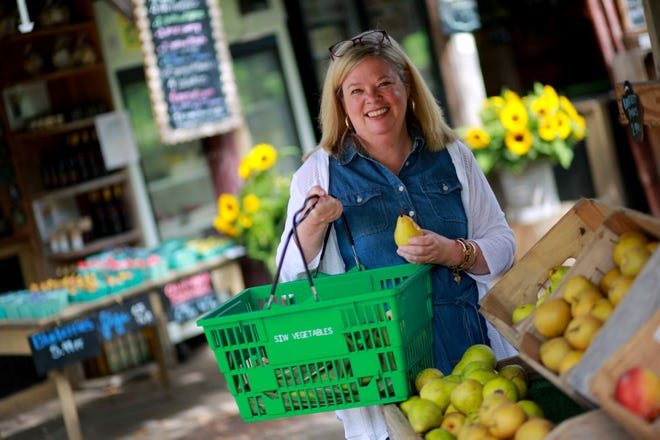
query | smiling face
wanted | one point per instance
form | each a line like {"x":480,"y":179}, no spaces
{"x":375,"y":99}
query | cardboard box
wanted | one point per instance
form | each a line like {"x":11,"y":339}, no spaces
{"x":635,"y":308}
{"x":643,"y":349}
{"x":529,"y":276}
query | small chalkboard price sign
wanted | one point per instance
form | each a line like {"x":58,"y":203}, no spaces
{"x":64,"y":345}
{"x":188,"y":298}
{"x":81,"y":339}
{"x":125,"y":317}
{"x":188,"y":68}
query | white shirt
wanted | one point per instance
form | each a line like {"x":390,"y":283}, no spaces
{"x":487,"y":227}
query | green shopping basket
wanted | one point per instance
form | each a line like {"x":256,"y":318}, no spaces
{"x":354,"y":339}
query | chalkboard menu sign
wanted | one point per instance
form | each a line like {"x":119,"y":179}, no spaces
{"x":188,"y":68}
{"x":188,"y":298}
{"x":81,"y":339}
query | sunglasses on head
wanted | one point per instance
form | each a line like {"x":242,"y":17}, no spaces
{"x":369,"y":38}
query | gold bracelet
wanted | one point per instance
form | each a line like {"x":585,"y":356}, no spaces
{"x":468,"y":251}
{"x":473,"y":257}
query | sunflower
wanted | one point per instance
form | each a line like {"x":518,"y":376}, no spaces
{"x":251,"y":203}
{"x":228,"y":207}
{"x":225,"y":227}
{"x":244,"y":169}
{"x":516,"y":130}
{"x":262,"y":157}
{"x":514,"y":116}
{"x":477,"y":138}
{"x":563,"y":124}
{"x":547,"y":129}
{"x":245,"y":221}
{"x":519,"y":142}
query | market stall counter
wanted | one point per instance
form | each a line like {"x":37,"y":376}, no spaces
{"x":163,"y":306}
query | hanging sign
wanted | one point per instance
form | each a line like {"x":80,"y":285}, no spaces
{"x":81,"y":339}
{"x":64,"y":345}
{"x":188,"y":68}
{"x":188,"y":298}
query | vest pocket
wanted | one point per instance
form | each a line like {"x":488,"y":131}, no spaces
{"x":365,"y":211}
{"x":444,"y":197}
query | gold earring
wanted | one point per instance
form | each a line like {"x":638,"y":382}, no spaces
{"x":347,"y":122}
{"x":412,"y":105}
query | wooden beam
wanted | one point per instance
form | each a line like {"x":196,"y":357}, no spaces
{"x":652,"y":17}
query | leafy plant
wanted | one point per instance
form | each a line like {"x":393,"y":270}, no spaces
{"x":255,"y":217}
{"x":517,"y":130}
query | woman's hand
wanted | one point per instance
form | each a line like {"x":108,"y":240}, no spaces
{"x":327,"y":209}
{"x":431,"y":248}
{"x":311,"y":230}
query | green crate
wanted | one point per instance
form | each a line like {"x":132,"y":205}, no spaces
{"x":361,"y":344}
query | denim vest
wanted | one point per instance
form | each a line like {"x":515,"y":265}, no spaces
{"x":428,"y":190}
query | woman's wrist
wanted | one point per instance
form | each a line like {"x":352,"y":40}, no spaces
{"x":468,"y":257}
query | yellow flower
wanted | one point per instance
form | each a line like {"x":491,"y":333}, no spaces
{"x":244,"y":169}
{"x":550,"y":95}
{"x":580,"y":127}
{"x":563,"y":124}
{"x":495,"y":103}
{"x":511,"y":96}
{"x":228,"y":207}
{"x":547,"y":129}
{"x":262,"y":157}
{"x":477,"y":138}
{"x":514,"y":116}
{"x":542,"y":107}
{"x":568,"y":107}
{"x":518,"y":143}
{"x":225,"y":227}
{"x":245,"y":221}
{"x":251,"y":203}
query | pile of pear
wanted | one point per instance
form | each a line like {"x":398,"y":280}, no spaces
{"x":477,"y":400}
{"x":570,"y":322}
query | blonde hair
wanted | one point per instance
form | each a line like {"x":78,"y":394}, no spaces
{"x":422,"y":105}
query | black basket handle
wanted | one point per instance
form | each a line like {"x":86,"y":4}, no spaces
{"x":298,"y":217}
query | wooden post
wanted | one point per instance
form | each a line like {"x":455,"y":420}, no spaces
{"x":69,"y":411}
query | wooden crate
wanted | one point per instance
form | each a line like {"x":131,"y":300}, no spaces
{"x":594,"y":261}
{"x":523,"y":282}
{"x":592,"y":424}
{"x":643,"y":349}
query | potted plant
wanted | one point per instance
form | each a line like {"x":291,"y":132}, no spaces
{"x":520,"y":138}
{"x":255,"y":217}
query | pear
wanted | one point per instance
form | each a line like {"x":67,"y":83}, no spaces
{"x":425,"y":375}
{"x":633,"y":260}
{"x":627,"y":239}
{"x":424,"y":415}
{"x":405,"y":228}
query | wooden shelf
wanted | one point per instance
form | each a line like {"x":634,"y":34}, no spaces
{"x":60,"y":74}
{"x":81,"y":188}
{"x":81,"y":27}
{"x":53,"y":131}
{"x":97,"y":246}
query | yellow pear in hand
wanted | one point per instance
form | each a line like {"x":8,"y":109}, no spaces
{"x":405,"y":228}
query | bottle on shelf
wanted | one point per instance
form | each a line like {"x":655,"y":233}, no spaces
{"x":112,"y":211}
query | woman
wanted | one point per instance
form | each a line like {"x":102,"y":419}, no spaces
{"x":386,"y":150}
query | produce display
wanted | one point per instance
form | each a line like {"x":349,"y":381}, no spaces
{"x":108,"y":273}
{"x":569,"y":323}
{"x":477,"y":400}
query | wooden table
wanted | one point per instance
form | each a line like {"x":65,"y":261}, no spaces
{"x":225,"y":273}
